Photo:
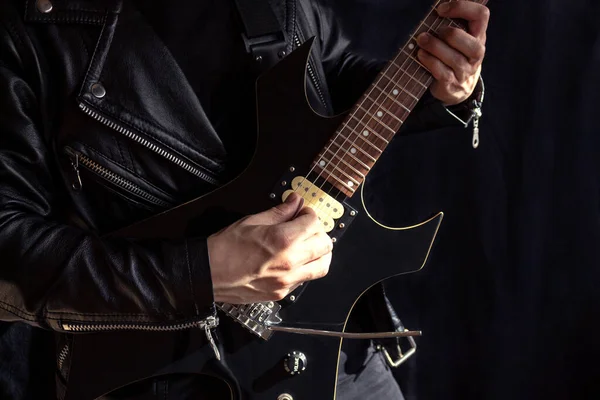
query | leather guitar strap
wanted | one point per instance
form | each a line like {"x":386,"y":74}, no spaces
{"x":262,"y":33}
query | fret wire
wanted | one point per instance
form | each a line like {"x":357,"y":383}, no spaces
{"x":345,"y":184}
{"x":399,"y":86}
{"x":342,"y":171}
{"x":418,"y":62}
{"x":353,"y":157}
{"x":370,"y":129}
{"x":392,"y":98}
{"x":403,"y":72}
{"x":391,"y":112}
{"x":366,"y":127}
{"x":380,"y":109}
{"x":384,"y":125}
{"x":343,"y":161}
{"x":359,"y":149}
{"x":364,"y":139}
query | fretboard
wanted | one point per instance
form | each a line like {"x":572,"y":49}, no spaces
{"x":376,"y":118}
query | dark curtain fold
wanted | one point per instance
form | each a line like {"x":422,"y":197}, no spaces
{"x":510,"y":300}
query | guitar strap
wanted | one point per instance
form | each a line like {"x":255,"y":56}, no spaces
{"x":262,"y":33}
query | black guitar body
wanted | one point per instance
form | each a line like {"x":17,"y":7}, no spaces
{"x":290,"y":136}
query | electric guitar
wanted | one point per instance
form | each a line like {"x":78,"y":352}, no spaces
{"x":290,"y":349}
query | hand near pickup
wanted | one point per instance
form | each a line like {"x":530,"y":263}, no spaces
{"x":266,"y":256}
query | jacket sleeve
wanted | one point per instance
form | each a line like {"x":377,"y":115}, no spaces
{"x":349,"y":73}
{"x":52,"y":273}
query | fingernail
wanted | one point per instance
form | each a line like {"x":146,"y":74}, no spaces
{"x":290,"y":198}
{"x":443,"y":8}
{"x":423,"y":38}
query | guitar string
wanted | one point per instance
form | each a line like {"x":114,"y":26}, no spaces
{"x":421,"y":73}
{"x":345,"y":124}
{"x":361,"y":121}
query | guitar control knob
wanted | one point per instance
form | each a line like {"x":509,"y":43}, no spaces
{"x":295,"y":362}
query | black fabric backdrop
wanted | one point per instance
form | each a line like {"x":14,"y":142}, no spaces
{"x":509,"y":302}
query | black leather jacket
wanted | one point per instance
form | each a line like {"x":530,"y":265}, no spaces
{"x":93,"y":138}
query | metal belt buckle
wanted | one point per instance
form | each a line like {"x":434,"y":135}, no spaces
{"x":402,"y":357}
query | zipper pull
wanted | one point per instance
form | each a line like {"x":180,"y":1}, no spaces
{"x":77,"y":185}
{"x":211,"y":323}
{"x":476,"y":115}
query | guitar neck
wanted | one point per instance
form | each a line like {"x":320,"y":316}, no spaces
{"x":380,"y":112}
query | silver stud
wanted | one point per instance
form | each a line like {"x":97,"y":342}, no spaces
{"x":283,"y":183}
{"x":258,"y":59}
{"x":98,"y":90}
{"x":271,"y":304}
{"x":333,"y":240}
{"x":273,"y":196}
{"x":292,"y":169}
{"x":353,"y":213}
{"x":282,"y":53}
{"x":285,"y":396}
{"x":292,"y":298}
{"x":342,"y":226}
{"x":44,"y":6}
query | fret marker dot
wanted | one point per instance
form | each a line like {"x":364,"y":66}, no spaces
{"x":322,"y":163}
{"x":350,"y":183}
{"x":353,"y":150}
{"x":366,"y":133}
{"x":379,"y":114}
{"x":395,"y":92}
{"x":411,"y":46}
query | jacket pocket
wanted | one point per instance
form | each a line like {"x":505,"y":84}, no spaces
{"x":83,"y":165}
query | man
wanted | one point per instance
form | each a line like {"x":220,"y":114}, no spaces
{"x":113,"y":111}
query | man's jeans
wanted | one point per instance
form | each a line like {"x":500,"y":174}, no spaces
{"x":365,"y":375}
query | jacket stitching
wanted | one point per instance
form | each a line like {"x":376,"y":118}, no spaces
{"x":92,"y":61}
{"x":17,"y":40}
{"x":138,"y":126}
{"x":118,"y":142}
{"x":100,"y":154}
{"x":187,"y":258}
{"x":78,"y":19}
{"x":84,"y":46}
{"x":19,"y":313}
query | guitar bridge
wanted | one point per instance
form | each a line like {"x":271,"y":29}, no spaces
{"x":254,"y":317}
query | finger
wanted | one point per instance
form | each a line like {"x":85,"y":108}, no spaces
{"x":476,"y":14}
{"x":440,"y":71}
{"x":303,"y":226}
{"x":449,"y":56}
{"x":469,"y":46}
{"x":313,"y":248}
{"x":283,"y":212}
{"x":313,"y":270}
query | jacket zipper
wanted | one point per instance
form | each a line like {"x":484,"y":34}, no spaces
{"x":63,"y":356}
{"x":311,"y":74}
{"x":78,"y":159}
{"x":149,"y":145}
{"x":207,"y":324}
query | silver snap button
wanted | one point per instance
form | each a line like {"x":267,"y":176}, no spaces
{"x":98,"y":90}
{"x":44,"y":6}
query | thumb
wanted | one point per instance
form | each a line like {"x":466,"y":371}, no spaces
{"x":281,"y":213}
